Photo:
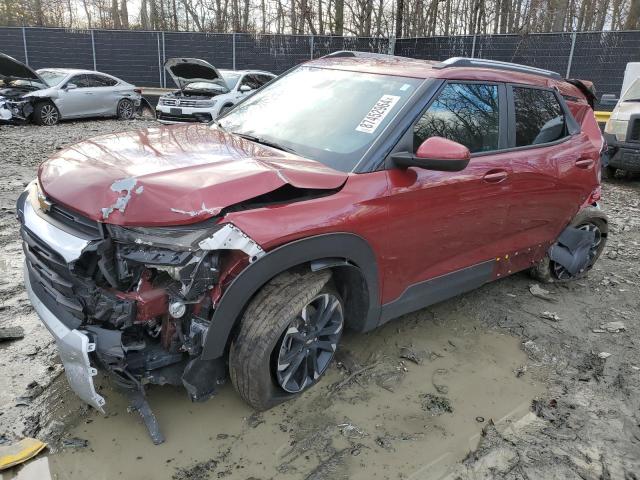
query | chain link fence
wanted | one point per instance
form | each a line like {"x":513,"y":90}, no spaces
{"x":137,"y":56}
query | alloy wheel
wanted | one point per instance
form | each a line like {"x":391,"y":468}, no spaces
{"x":309,"y":343}
{"x":560,"y":272}
{"x":49,"y":114}
{"x":125,"y":110}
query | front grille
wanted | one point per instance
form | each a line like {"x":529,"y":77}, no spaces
{"x":199,"y":117}
{"x":51,"y":278}
{"x":170,"y":102}
{"x":634,"y":130}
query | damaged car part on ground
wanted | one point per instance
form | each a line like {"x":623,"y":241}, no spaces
{"x":49,"y":95}
{"x":248,"y":245}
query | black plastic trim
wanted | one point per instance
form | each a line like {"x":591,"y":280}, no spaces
{"x":349,"y":246}
{"x":438,"y":289}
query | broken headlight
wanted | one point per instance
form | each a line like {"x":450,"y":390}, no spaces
{"x":174,"y":238}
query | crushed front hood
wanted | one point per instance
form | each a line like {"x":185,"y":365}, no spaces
{"x":172,"y":175}
{"x":184,"y":71}
{"x":15,"y":70}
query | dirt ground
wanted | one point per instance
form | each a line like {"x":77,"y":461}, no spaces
{"x":497,"y":383}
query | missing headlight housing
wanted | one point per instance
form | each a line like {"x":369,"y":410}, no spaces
{"x":181,"y":238}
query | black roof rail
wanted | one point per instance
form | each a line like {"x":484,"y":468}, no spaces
{"x":497,"y":65}
{"x":355,"y":53}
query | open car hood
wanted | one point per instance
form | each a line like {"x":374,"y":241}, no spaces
{"x":13,"y":69}
{"x":173,"y":175}
{"x":184,"y":71}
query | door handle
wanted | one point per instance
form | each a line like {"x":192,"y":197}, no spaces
{"x":495,"y":176}
{"x":584,"y":163}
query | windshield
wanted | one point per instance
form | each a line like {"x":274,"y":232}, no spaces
{"x":51,"y":77}
{"x":633,"y":92}
{"x":331,"y":116}
{"x":230,"y":77}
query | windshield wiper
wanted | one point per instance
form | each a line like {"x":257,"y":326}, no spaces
{"x":219,"y":125}
{"x":265,"y":142}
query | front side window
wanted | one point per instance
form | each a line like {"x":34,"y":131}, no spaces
{"x":466,"y":113}
{"x":80,"y":81}
{"x":539,"y":117}
{"x":332,"y":116}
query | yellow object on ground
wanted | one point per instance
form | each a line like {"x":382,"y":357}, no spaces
{"x":602,"y":117}
{"x":17,"y":453}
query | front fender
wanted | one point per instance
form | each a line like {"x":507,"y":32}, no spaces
{"x":332,"y":245}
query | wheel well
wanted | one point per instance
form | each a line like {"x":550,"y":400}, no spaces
{"x":341,"y":251}
{"x":349,"y":281}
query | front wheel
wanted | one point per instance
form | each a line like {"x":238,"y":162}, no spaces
{"x":288,"y":336}
{"x":46,"y":113}
{"x":591,"y":219}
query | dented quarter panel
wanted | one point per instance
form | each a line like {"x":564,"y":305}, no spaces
{"x":181,"y":174}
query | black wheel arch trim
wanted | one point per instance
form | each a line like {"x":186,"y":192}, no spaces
{"x":354,"y":249}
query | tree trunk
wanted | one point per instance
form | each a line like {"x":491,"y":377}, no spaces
{"x":124,"y":14}
{"x":633,"y":20}
{"x":339,"y":20}
{"x":115,"y":15}
{"x":399,"y":17}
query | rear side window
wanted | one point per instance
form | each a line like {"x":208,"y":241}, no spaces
{"x":465,"y":113}
{"x":539,"y":117}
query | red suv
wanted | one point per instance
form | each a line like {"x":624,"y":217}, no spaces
{"x":352,"y":190}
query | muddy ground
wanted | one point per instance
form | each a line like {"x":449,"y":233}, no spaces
{"x":481,"y":386}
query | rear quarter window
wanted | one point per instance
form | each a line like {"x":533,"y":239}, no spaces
{"x":539,"y":118}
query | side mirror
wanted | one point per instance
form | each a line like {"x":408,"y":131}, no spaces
{"x":245,"y":88}
{"x":435,"y":153}
{"x":70,"y":86}
{"x":608,"y":99}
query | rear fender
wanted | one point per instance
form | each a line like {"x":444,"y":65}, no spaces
{"x":352,"y":248}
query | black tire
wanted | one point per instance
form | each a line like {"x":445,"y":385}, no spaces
{"x":46,"y":113}
{"x":546,"y":270}
{"x":266,"y":322}
{"x":609,"y":172}
{"x":126,"y":110}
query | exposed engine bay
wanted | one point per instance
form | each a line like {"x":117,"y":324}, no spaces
{"x":13,"y":105}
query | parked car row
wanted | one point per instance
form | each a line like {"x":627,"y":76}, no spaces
{"x":48,"y":95}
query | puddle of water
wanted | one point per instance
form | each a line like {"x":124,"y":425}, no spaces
{"x":395,"y":436}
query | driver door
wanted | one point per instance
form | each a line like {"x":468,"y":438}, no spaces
{"x":448,"y":228}
{"x":79,"y":101}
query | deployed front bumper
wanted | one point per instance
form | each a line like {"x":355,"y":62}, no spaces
{"x":74,"y":347}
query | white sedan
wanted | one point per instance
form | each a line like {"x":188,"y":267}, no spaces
{"x":48,"y":95}
{"x":204,"y":91}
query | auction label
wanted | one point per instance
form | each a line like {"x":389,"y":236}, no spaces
{"x":376,"y":115}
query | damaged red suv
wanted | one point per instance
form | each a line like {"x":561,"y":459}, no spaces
{"x":352,"y":190}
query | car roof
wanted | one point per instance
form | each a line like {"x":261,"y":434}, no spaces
{"x":70,"y":71}
{"x":452,"y":69}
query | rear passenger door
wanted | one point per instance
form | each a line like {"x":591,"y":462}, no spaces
{"x":553,"y":168}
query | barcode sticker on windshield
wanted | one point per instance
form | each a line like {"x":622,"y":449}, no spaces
{"x":376,"y":115}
